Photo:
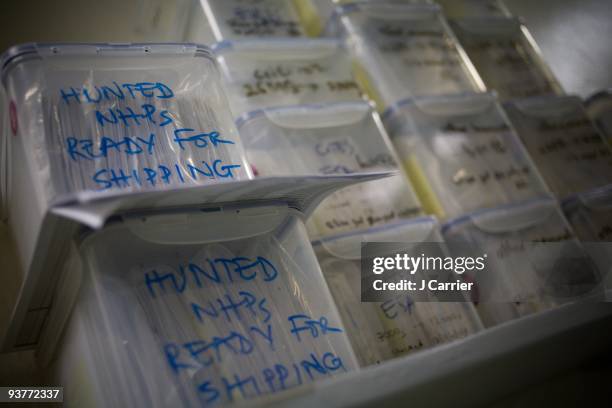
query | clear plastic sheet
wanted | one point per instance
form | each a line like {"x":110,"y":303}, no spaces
{"x":406,"y":50}
{"x":398,"y":326}
{"x":506,"y":57}
{"x":266,"y":74}
{"x":567,"y":148}
{"x":326,"y":140}
{"x":176,"y":313}
{"x":462,"y":154}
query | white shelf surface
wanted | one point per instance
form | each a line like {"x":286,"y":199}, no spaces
{"x":477,"y":370}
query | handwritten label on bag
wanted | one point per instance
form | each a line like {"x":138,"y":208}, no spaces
{"x":243,"y":330}
{"x":127,"y":135}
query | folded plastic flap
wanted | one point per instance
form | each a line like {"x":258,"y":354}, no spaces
{"x":462,"y":104}
{"x":301,"y":193}
{"x":409,"y":233}
{"x":319,"y":116}
{"x":510,"y":218}
{"x":596,"y":200}
{"x":548,"y":106}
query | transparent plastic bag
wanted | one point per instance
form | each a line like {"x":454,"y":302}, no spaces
{"x":234,"y":19}
{"x":566,"y":147}
{"x":534,"y":261}
{"x":506,"y":57}
{"x":327,"y":140}
{"x":398,"y":326}
{"x":405,"y":50}
{"x":266,"y":74}
{"x":196,"y":308}
{"x":462,"y":154}
{"x":105,"y":117}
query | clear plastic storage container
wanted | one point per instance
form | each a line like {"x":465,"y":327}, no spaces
{"x":461,"y":154}
{"x":404,"y":50}
{"x":334,"y":139}
{"x":109,"y":117}
{"x":197,"y":308}
{"x":474,"y":8}
{"x":534,"y":262}
{"x":567,"y":148}
{"x":380,"y":331}
{"x":234,"y":19}
{"x":270,"y":73}
{"x":90,"y":120}
{"x":506,"y":57}
{"x":599,"y":108}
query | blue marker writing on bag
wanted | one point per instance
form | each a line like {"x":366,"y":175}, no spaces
{"x":117,"y":91}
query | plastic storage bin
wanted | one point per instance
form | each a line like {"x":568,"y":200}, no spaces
{"x":405,"y":50}
{"x":234,"y":19}
{"x":569,"y":151}
{"x":268,"y":73}
{"x":474,"y":8}
{"x":100,"y":117}
{"x":380,"y":331}
{"x":332,"y":139}
{"x":599,"y":108}
{"x":203,"y":307}
{"x":506,"y":57}
{"x":92,"y":120}
{"x":534,"y":261}
{"x":461,"y":154}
